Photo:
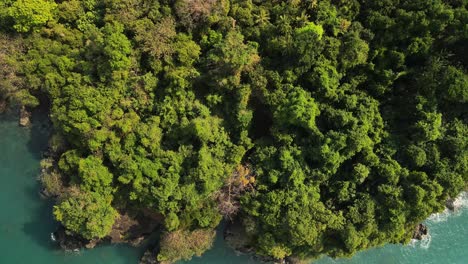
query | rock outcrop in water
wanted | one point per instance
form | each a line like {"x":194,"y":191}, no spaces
{"x":420,"y":232}
{"x":450,"y":204}
{"x":25,"y":117}
{"x":149,"y":258}
{"x":68,"y":241}
{"x":454,"y":204}
{"x":126,"y":229}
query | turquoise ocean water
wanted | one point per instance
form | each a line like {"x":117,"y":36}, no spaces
{"x":26,"y":221}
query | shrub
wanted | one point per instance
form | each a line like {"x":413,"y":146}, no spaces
{"x":184,"y":244}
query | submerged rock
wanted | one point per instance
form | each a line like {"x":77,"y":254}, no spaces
{"x":25,"y":117}
{"x":420,"y":232}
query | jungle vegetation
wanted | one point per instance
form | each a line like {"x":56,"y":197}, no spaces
{"x":320,"y":126}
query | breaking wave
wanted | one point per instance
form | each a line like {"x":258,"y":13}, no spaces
{"x":460,"y":203}
{"x":423,"y":243}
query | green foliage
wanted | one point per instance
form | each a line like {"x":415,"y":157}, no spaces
{"x":172,"y":222}
{"x":298,"y":109}
{"x":51,"y":179}
{"x":31,"y":14}
{"x":86,"y":213}
{"x":183,"y":245}
{"x":416,"y":155}
{"x":94,"y":176}
{"x":312,"y":28}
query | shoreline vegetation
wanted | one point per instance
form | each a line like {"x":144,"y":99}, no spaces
{"x":315,"y":127}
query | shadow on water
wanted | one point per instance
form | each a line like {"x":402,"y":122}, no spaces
{"x":40,"y":130}
{"x":42,"y":222}
{"x":9,"y":116}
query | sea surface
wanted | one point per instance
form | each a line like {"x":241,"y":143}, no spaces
{"x":26,"y":221}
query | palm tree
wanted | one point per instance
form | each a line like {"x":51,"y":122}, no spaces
{"x":284,"y":24}
{"x":303,"y":18}
{"x":262,"y":18}
{"x":310,"y":4}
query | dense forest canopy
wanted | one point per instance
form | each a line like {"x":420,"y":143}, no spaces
{"x":320,"y":126}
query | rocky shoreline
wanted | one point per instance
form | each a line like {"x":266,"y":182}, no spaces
{"x":454,"y":204}
{"x":236,"y":238}
{"x":420,"y":232}
{"x":68,"y":241}
{"x":135,"y":230}
{"x":128,"y":230}
{"x":135,"y":234}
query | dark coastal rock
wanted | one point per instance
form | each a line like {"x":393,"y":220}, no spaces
{"x":236,"y":238}
{"x":450,"y":204}
{"x":149,"y":258}
{"x":121,"y":228}
{"x":68,"y":241}
{"x":25,"y":117}
{"x":134,"y":230}
{"x":44,"y":194}
{"x":137,"y":241}
{"x":125,"y":230}
{"x":92,"y":243}
{"x":265,"y":259}
{"x":420,"y":232}
{"x":295,"y":260}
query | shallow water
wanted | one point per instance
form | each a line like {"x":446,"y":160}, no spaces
{"x":26,"y":221}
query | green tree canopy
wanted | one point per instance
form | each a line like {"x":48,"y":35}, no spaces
{"x":31,"y":14}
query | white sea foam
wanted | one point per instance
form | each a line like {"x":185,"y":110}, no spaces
{"x":424,"y":243}
{"x":439,"y":217}
{"x":413,"y":243}
{"x":460,"y":203}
